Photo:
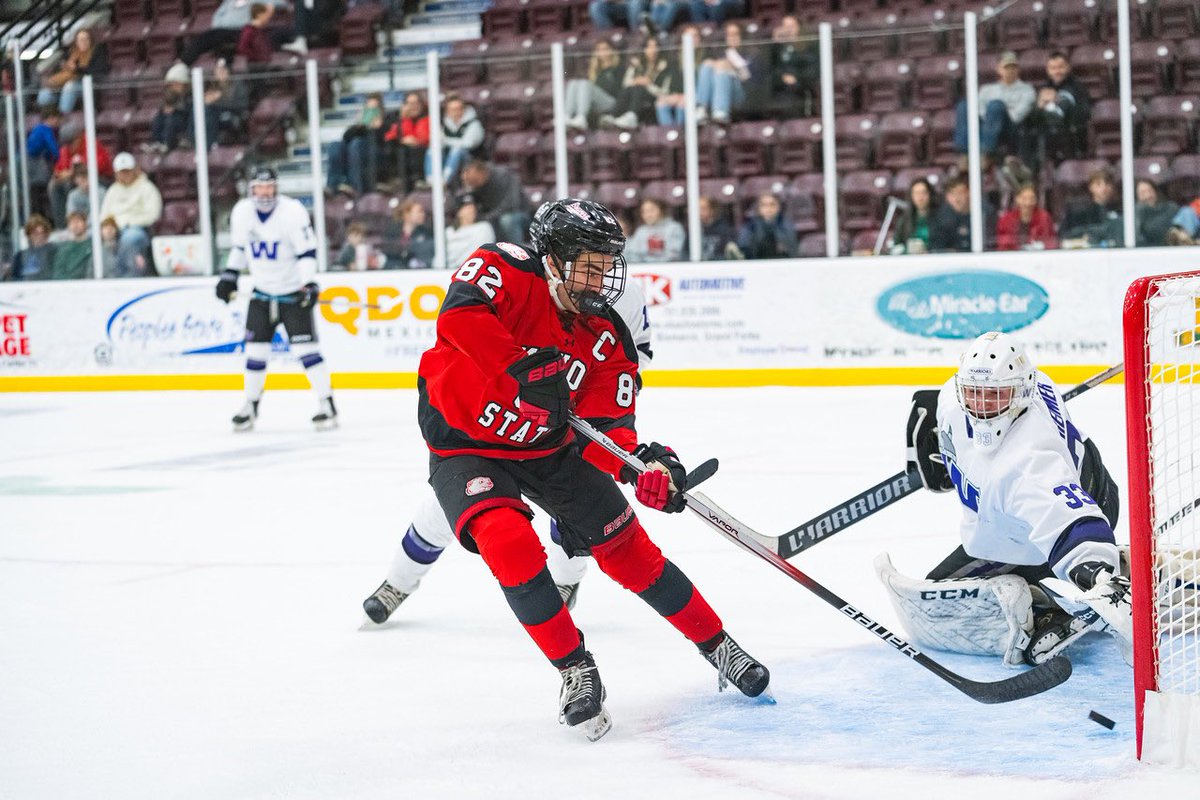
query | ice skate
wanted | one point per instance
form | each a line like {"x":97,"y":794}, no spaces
{"x":380,"y":605}
{"x":326,"y":417}
{"x":581,"y":701}
{"x":244,"y":419}
{"x":568,"y":592}
{"x":734,"y":665}
{"x":1053,"y":631}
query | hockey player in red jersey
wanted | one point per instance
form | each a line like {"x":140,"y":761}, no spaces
{"x":523,"y":338}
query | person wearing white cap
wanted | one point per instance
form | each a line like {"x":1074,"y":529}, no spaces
{"x":1003,"y":107}
{"x":135,"y":204}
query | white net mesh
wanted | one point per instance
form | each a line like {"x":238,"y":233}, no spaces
{"x":1173,"y":404}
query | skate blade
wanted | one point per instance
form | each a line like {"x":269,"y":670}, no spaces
{"x":766,"y":698}
{"x":243,"y":428}
{"x":597,"y":726}
{"x":325,"y":426}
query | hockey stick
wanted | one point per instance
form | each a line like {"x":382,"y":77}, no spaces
{"x":702,"y":473}
{"x":1017,"y":687}
{"x":879,"y":496}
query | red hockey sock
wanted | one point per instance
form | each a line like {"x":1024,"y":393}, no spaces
{"x":636,"y":563}
{"x":513,"y":553}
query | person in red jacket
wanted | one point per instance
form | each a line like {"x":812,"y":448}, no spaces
{"x":1025,"y":226}
{"x":521,"y":337}
{"x":409,"y":135}
{"x":254,"y":43}
{"x":72,"y":151}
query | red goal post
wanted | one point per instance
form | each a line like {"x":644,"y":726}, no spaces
{"x":1162,"y":407}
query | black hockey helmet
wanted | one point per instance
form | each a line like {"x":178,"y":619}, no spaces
{"x":263,"y":175}
{"x":570,"y":227}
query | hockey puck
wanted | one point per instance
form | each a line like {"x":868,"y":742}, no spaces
{"x":1100,"y":719}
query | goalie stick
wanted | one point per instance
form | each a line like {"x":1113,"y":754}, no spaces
{"x":1017,"y":687}
{"x":879,"y":496}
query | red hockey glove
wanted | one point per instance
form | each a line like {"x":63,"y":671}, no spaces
{"x":663,"y":483}
{"x":543,"y":397}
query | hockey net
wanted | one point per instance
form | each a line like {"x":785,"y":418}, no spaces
{"x":1162,"y":404}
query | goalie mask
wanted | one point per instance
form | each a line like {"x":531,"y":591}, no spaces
{"x":585,"y":244}
{"x":994,"y":384}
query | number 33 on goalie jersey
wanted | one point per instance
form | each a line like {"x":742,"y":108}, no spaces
{"x":1022,"y":501}
{"x":498,"y":307}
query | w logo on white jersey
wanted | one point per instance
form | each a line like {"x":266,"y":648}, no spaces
{"x":267,"y":250}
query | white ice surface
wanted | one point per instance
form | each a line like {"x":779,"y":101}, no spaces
{"x":180,"y":617}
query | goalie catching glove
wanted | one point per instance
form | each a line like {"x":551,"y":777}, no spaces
{"x":663,"y":483}
{"x":923,"y":453}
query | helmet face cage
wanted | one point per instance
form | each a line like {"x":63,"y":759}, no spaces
{"x":994,"y":384}
{"x":569,"y":230}
{"x":263,"y":176}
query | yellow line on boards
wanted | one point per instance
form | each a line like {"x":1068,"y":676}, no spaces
{"x":817,"y":376}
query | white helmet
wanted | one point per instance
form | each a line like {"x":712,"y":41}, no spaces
{"x":994,"y":384}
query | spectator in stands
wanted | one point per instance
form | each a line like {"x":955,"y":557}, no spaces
{"x":659,"y":238}
{"x":110,"y":240}
{"x":1056,"y":129}
{"x":41,"y":147}
{"x":136,"y":205}
{"x":254,"y":44}
{"x":1185,"y":227}
{"x":795,"y":65}
{"x":78,"y":200}
{"x":598,"y":90}
{"x":317,"y":24}
{"x":1096,"y":222}
{"x":73,"y":150}
{"x":720,"y":83}
{"x":469,"y":232}
{"x":65,"y":84}
{"x":607,"y":14}
{"x":1153,"y":214}
{"x":354,"y":161}
{"x":646,"y":79}
{"x":357,"y":253}
{"x":35,"y":262}
{"x":1003,"y":107}
{"x":73,"y":257}
{"x":228,"y":21}
{"x":663,"y":15}
{"x":407,"y":240}
{"x":767,"y":233}
{"x":950,"y":224}
{"x":1025,"y":226}
{"x":716,"y":10}
{"x":911,"y":234}
{"x":408,"y":138}
{"x":671,"y":106}
{"x":226,"y":105}
{"x":172,"y":122}
{"x":716,"y":234}
{"x":462,"y":138}
{"x":500,"y":200}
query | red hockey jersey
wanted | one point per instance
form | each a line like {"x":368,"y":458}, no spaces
{"x":498,"y":307}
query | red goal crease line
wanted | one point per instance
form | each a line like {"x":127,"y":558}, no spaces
{"x":694,"y":378}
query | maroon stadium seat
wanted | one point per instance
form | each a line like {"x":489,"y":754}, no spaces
{"x":941,"y":150}
{"x":902,"y":181}
{"x":847,"y":86}
{"x":806,"y":202}
{"x":751,"y":146}
{"x":179,"y":218}
{"x":1152,"y":67}
{"x":603,"y":155}
{"x":356,"y":31}
{"x":1187,"y":74}
{"x":511,"y":107}
{"x":269,"y":121}
{"x":798,"y":146}
{"x":813,"y":246}
{"x":886,"y":85}
{"x":672,"y":194}
{"x":465,"y":64}
{"x":1070,"y":180}
{"x":1020,"y":27}
{"x":902,"y":139}
{"x":509,"y":61}
{"x":655,"y":153}
{"x":862,"y":196}
{"x":938,"y":82}
{"x":722,"y":191}
{"x":751,"y":188}
{"x":923,"y":33}
{"x":1168,"y":124}
{"x":874,"y":36}
{"x":1184,"y":186}
{"x":712,"y":141}
{"x":518,"y":151}
{"x":111,"y":126}
{"x":129,"y":10}
{"x":1095,"y":65}
{"x":223,"y":163}
{"x":1072,"y":22}
{"x":548,"y":16}
{"x":1155,"y":168}
{"x":1174,"y":19}
{"x":164,"y":41}
{"x":1105,"y":129}
{"x":619,"y":196}
{"x":176,"y":177}
{"x":504,"y":17}
{"x":856,"y":135}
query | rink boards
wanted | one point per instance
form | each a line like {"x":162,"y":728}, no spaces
{"x":817,"y":322}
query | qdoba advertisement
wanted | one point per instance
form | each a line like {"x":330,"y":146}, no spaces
{"x":861,"y":320}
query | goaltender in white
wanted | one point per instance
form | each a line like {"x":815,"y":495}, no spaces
{"x":1038,"y":566}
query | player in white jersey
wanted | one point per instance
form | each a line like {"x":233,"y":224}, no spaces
{"x":1038,"y":510}
{"x":273,"y":237}
{"x":430,"y":533}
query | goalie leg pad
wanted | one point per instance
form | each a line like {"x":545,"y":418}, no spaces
{"x":975,"y":616}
